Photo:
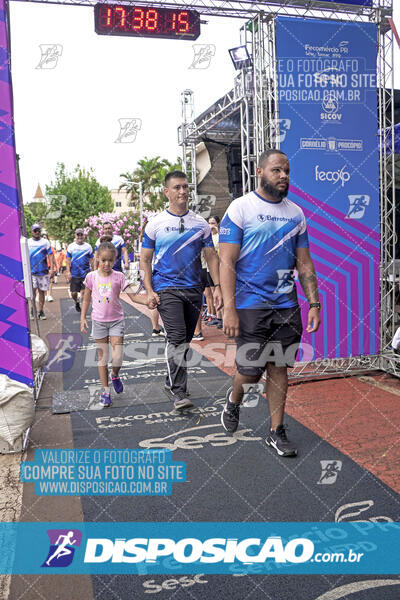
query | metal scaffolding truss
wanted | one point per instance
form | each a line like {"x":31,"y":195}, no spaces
{"x":248,"y":9}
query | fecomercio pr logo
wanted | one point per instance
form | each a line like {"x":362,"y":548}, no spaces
{"x":62,"y":547}
{"x":341,"y":175}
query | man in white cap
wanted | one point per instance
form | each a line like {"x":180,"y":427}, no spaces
{"x":39,"y":250}
{"x":79,"y":263}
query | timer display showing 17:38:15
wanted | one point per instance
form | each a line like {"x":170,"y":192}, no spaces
{"x":142,"y":21}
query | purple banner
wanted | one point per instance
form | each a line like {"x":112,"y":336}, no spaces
{"x":15,"y":353}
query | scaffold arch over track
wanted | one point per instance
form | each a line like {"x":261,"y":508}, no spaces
{"x":361,"y":11}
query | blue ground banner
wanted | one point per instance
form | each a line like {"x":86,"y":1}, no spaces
{"x":182,"y":548}
{"x":327,"y":99}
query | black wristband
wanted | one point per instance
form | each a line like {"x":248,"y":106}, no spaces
{"x":217,"y":285}
{"x":315,"y":305}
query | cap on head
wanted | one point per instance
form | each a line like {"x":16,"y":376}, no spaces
{"x":79,"y":230}
{"x":36,"y":227}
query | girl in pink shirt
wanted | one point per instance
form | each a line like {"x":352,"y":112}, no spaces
{"x":104,"y":287}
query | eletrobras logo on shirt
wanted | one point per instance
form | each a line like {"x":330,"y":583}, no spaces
{"x":263,"y":218}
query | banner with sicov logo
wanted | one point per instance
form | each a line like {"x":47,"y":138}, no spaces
{"x":327,"y":97}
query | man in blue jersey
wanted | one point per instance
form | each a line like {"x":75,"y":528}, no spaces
{"x":176,"y":237}
{"x":120,"y":247}
{"x":39,"y":249}
{"x":79,"y":263}
{"x":263,"y":238}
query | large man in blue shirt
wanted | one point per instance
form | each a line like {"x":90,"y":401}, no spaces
{"x":263,"y":238}
{"x":176,"y":238}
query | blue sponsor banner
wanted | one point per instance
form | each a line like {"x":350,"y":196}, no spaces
{"x":327,"y":99}
{"x":188,"y":548}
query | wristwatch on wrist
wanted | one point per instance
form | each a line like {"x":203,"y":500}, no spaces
{"x":315,"y":305}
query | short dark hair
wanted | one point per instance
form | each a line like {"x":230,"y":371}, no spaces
{"x":106,"y":223}
{"x":174,"y":175}
{"x":264,"y":156}
{"x":215,"y":217}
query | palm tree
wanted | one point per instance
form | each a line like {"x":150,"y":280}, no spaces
{"x":151,"y":172}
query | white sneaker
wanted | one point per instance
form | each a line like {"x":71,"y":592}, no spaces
{"x":49,"y":299}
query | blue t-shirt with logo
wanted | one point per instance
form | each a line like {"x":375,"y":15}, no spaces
{"x":269,"y":234}
{"x":119,"y":243}
{"x":177,"y":242}
{"x":80,"y":255}
{"x":38,"y":251}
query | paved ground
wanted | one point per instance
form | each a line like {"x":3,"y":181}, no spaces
{"x":357,"y":415}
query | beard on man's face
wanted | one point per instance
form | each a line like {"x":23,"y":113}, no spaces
{"x":271,"y":190}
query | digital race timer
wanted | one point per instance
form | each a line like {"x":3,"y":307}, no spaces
{"x":144,"y":21}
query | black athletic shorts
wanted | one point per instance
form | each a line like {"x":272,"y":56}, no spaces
{"x":204,"y":283}
{"x":76,"y":284}
{"x":267,"y":336}
{"x":210,"y":282}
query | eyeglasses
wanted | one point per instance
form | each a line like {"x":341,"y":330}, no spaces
{"x":181,"y":225}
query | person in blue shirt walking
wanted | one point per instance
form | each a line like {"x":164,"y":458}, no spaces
{"x":39,"y":250}
{"x":176,"y":238}
{"x":79,"y":263}
{"x":263,"y":238}
{"x":120,"y":246}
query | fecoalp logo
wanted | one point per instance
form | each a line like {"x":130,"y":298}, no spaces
{"x":334,"y":177}
{"x":62,"y":547}
{"x":191,"y":550}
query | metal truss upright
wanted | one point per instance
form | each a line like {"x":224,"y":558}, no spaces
{"x":187,"y":139}
{"x":389,"y":273}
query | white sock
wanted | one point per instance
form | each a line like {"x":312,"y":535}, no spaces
{"x":106,"y":390}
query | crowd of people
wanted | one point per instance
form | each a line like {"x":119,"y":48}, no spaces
{"x":237,"y":275}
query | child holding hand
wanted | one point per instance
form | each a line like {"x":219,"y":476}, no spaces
{"x":104,"y":287}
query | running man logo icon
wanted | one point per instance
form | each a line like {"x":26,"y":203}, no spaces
{"x":128,"y":129}
{"x":357,"y":205}
{"x":286,"y":281}
{"x":330,"y":471}
{"x":62,"y":351}
{"x":63,"y":543}
{"x":203,"y":54}
{"x":50,"y":54}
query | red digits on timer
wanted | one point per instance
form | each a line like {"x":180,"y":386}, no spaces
{"x":138,"y":19}
{"x":183,"y":22}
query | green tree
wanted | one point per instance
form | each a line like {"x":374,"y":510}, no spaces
{"x":34,"y":212}
{"x":72,"y":198}
{"x":151,"y":172}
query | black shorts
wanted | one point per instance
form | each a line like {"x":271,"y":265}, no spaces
{"x":267,"y":336}
{"x":204,"y":283}
{"x":76,"y":284}
{"x":210,"y":282}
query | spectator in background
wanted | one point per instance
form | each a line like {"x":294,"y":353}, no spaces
{"x":79,"y":263}
{"x":49,"y":297}
{"x":39,"y":250}
{"x":120,"y":247}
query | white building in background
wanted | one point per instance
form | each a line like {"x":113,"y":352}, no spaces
{"x":121,"y":201}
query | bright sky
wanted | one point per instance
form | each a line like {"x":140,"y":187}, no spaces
{"x":71,"y":113}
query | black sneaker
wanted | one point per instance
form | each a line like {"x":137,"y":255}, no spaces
{"x":198,"y":336}
{"x":278,"y":440}
{"x":230,"y":414}
{"x":158,"y":332}
{"x":42,"y":316}
{"x":181,"y":401}
{"x":77,"y":307}
{"x":167,"y":388}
